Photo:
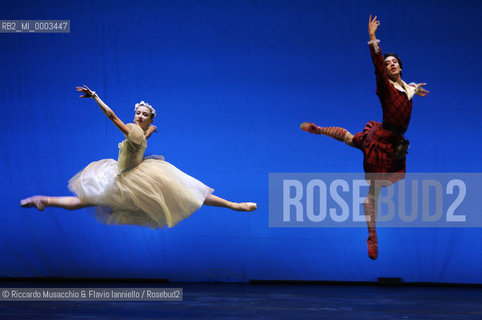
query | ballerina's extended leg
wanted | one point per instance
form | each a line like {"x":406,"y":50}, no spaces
{"x":41,"y":202}
{"x":216,"y":201}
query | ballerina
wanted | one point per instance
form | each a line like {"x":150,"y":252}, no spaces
{"x":135,"y":190}
{"x":383,"y":145}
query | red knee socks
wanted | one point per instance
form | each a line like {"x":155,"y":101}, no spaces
{"x":337,"y":133}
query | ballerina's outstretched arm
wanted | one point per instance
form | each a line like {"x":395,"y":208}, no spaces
{"x":105,"y":108}
{"x":150,"y":130}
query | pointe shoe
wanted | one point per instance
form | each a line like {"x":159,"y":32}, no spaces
{"x":251,"y":206}
{"x":244,"y":206}
{"x":309,"y":127}
{"x":372,"y":244}
{"x":35,"y":201}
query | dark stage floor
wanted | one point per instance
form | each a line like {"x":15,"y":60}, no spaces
{"x":259,"y":301}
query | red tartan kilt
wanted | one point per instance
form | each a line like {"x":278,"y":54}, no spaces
{"x":377,"y":146}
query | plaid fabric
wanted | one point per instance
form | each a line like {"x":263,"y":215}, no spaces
{"x":334,"y":132}
{"x":378,"y":151}
{"x":397,"y":108}
{"x":377,"y":143}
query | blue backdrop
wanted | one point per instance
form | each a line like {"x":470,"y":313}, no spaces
{"x":231,"y":82}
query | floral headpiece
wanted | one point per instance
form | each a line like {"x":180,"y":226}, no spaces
{"x":145,"y":104}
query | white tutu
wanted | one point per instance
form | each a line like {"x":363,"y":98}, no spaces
{"x":150,"y":193}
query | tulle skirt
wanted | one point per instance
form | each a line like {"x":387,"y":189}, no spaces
{"x":154,"y":194}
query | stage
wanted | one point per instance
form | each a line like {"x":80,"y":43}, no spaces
{"x":260,"y":301}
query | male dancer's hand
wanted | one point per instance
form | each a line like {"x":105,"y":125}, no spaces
{"x":372,"y":27}
{"x":420,"y":90}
